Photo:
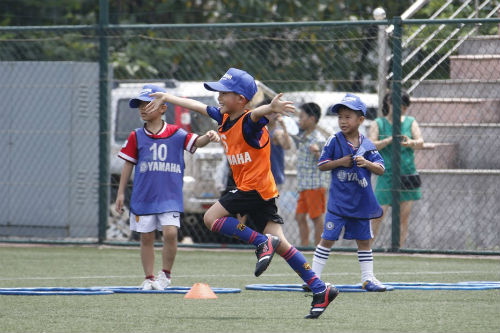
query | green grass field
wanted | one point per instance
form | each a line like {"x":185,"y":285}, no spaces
{"x":248,"y":311}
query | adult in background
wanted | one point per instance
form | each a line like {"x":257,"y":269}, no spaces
{"x":381,"y":135}
{"x":280,"y":141}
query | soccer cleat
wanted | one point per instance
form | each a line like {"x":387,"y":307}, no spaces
{"x":265,"y":252}
{"x":321,"y":301}
{"x":373,"y":286}
{"x":162,"y":280}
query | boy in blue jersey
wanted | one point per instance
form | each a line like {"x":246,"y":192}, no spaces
{"x":157,"y":150}
{"x":351,"y":158}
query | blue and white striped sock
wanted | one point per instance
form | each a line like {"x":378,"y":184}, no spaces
{"x":319,"y":260}
{"x":365,"y":259}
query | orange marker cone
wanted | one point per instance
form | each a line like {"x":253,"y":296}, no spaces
{"x":201,"y":291}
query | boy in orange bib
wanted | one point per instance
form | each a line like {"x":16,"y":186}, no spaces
{"x":246,"y":142}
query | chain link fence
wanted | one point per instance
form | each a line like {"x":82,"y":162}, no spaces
{"x":50,"y":118}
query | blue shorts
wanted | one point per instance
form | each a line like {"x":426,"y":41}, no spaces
{"x":359,"y":229}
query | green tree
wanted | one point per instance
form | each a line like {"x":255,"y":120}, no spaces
{"x":193,"y":54}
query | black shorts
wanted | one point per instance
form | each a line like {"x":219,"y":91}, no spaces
{"x":251,"y":203}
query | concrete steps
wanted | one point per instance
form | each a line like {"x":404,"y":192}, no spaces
{"x":476,"y":146}
{"x":455,"y":204}
{"x":460,"y":164}
{"x":437,"y":156}
{"x":481,"y":45}
{"x":459,"y":88}
{"x":455,"y":110}
{"x":481,"y":66}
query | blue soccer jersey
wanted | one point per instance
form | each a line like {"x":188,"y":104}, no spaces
{"x":351,"y":194}
{"x":159,"y":168}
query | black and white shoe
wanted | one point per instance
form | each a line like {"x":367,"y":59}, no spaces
{"x":321,"y":301}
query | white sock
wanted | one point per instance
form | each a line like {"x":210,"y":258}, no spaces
{"x":365,"y":259}
{"x":319,"y":260}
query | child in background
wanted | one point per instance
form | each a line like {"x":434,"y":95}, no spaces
{"x":247,"y":145}
{"x":157,"y":150}
{"x":351,"y":158}
{"x":311,"y":183}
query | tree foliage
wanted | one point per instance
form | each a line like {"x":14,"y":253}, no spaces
{"x":272,"y":55}
{"x":64,"y":12}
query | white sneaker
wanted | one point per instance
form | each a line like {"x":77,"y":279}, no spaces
{"x":149,"y":284}
{"x":146,"y":285}
{"x":162,"y":280}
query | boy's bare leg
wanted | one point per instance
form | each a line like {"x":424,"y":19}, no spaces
{"x":275,"y":229}
{"x":215,"y":212}
{"x":169,"y":250}
{"x":318,"y":228}
{"x":217,"y":219}
{"x":148,"y":252}
{"x":376,"y":223}
{"x":363,"y":245}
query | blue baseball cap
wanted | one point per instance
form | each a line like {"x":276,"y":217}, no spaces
{"x":351,"y":101}
{"x":235,"y":80}
{"x":144,"y":95}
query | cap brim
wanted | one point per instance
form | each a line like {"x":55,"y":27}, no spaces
{"x":336,"y":107}
{"x":134,"y":102}
{"x":216,"y":86}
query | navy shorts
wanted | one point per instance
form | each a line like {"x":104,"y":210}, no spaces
{"x":251,"y":203}
{"x":359,"y":229}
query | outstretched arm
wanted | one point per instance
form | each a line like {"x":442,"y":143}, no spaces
{"x":210,"y":136}
{"x":276,"y":107}
{"x":162,"y":98}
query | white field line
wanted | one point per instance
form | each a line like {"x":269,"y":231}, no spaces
{"x":237,"y":275}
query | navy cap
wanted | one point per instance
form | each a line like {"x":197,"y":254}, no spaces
{"x":144,"y":95}
{"x":235,"y":80}
{"x":351,"y":101}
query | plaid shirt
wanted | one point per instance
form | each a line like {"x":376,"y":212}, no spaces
{"x":308,"y":174}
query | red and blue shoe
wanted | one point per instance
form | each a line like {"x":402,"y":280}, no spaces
{"x":265,"y":252}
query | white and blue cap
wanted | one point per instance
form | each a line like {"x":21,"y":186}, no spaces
{"x":235,"y":80}
{"x":351,"y":101}
{"x":144,"y":95}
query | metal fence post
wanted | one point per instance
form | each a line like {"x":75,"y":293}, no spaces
{"x":396,"y":131}
{"x":103,"y":121}
{"x":379,"y":15}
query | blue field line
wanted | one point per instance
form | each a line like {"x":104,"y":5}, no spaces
{"x":104,"y":290}
{"x":461,"y":284}
{"x":54,"y":292}
{"x":107,"y":290}
{"x":469,"y":285}
{"x":168,"y":290}
{"x":346,"y":288}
